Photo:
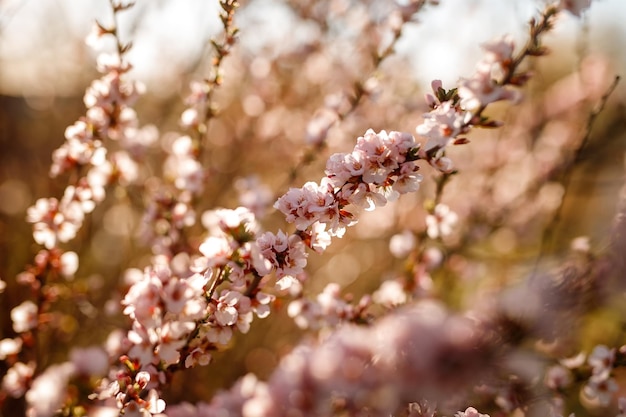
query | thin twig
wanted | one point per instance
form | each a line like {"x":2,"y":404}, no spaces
{"x":547,"y":238}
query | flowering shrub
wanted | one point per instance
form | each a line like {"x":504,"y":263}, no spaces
{"x":446,"y":331}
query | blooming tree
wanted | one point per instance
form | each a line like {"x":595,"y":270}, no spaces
{"x":419,"y":342}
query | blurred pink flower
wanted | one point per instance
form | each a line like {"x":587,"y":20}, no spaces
{"x":25,"y":317}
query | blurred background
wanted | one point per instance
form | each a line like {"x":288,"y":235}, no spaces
{"x":293,"y":59}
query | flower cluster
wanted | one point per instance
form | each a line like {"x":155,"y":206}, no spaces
{"x":359,"y":368}
{"x":440,"y":222}
{"x":329,"y":309}
{"x":601,"y":386}
{"x":487,"y":84}
{"x":164,"y":308}
{"x":381,"y":166}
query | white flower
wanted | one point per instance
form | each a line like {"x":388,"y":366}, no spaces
{"x":441,"y":222}
{"x":470,"y":412}
{"x":390,"y":293}
{"x":600,"y":391}
{"x":558,"y":377}
{"x":601,"y":360}
{"x":286,"y":253}
{"x":401,"y":244}
{"x":17,"y":378}
{"x":10,"y":347}
{"x":320,"y":238}
{"x":25,"y":317}
{"x":69,"y":264}
{"x":47,"y":393}
{"x":442,"y":125}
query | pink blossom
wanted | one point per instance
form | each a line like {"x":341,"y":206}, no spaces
{"x":580,"y":244}
{"x":95,"y":37}
{"x":98,"y":177}
{"x":125,"y":168}
{"x":197,"y":357}
{"x":177,"y":293}
{"x":53,"y":221}
{"x":441,"y":222}
{"x":217,"y":250}
{"x":48,"y":391}
{"x":377,"y":170}
{"x":172,"y":337}
{"x":199,"y":93}
{"x":107,"y":62}
{"x":80,"y":148}
{"x":484,"y":87}
{"x":137,"y":142}
{"x":364,"y":196}
{"x":183,"y":215}
{"x":401,"y":244}
{"x":116,"y":343}
{"x":334,"y":308}
{"x":82,"y":194}
{"x":361,"y":366}
{"x":18,"y":378}
{"x":155,"y":404}
{"x":601,"y":360}
{"x":240,"y":223}
{"x":341,"y":167}
{"x":234,"y":308}
{"x":320,"y":238}
{"x":470,"y":412}
{"x":408,"y":180}
{"x":190,"y":118}
{"x":285,"y":253}
{"x":142,"y":340}
{"x":217,"y":334}
{"x":306,"y":314}
{"x":289,"y":283}
{"x":481,"y":90}
{"x":391,"y":293}
{"x":558,"y":377}
{"x":142,"y":300}
{"x":499,"y":51}
{"x":327,"y":310}
{"x":69,"y":264}
{"x":600,"y":391}
{"x":304,"y":206}
{"x":380,"y":160}
{"x":187,"y":173}
{"x":442,"y":163}
{"x":25,"y":317}
{"x":442,"y":125}
{"x":261,"y":304}
{"x":9,"y":347}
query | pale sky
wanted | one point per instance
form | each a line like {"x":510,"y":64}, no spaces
{"x":38,"y":48}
